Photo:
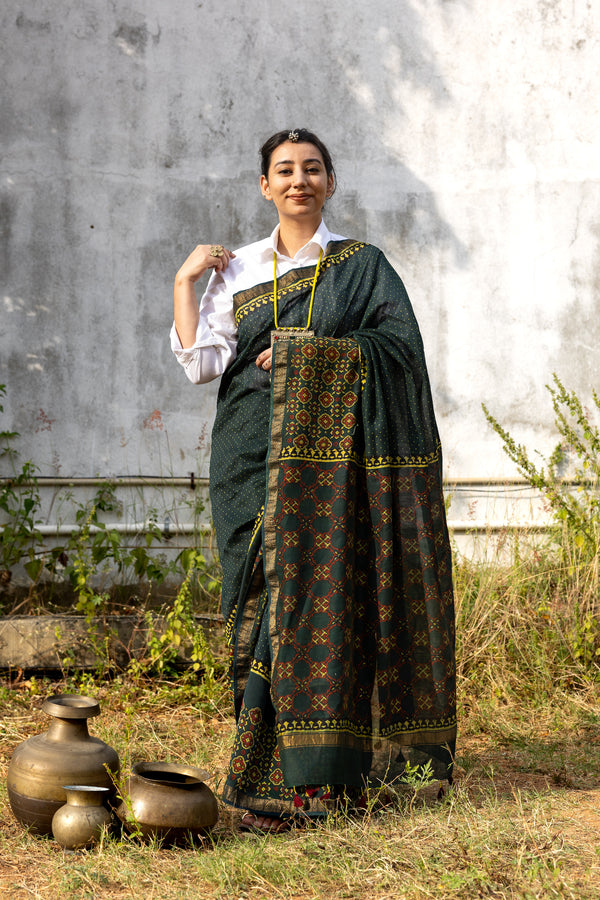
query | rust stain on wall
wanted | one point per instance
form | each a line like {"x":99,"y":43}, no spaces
{"x":44,"y":422}
{"x":154,"y":421}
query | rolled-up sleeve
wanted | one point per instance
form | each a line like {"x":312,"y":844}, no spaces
{"x":216,"y":336}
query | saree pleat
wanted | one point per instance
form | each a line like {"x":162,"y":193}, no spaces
{"x":337,"y":572}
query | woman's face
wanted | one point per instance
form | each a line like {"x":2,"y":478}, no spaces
{"x":297,"y":181}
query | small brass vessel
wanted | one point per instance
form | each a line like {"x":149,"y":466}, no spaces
{"x":168,"y":801}
{"x":80,"y":822}
{"x":65,"y":754}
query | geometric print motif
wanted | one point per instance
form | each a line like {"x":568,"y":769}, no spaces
{"x":363,"y":569}
{"x":323,"y":406}
{"x":359,"y":613}
{"x":362,"y":599}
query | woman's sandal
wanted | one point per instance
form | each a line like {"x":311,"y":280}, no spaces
{"x":264,"y":824}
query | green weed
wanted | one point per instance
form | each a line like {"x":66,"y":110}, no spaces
{"x":570,"y":477}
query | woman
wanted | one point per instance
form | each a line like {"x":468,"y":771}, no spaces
{"x":326,"y":496}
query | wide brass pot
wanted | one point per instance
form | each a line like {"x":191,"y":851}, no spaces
{"x":65,"y":754}
{"x":168,"y":801}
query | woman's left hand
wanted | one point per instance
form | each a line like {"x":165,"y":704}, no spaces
{"x":264,"y":359}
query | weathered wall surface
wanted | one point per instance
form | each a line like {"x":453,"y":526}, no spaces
{"x":467,"y":144}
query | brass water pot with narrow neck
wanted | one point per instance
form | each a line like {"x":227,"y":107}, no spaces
{"x":65,"y":754}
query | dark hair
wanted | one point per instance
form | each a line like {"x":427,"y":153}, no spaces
{"x":304,"y":137}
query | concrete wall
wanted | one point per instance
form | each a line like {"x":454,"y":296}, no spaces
{"x":467,"y":143}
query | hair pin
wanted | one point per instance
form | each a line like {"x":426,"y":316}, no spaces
{"x":293,"y":136}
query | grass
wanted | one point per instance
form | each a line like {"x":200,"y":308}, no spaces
{"x":521,"y":821}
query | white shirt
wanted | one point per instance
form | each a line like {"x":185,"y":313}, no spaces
{"x":215,"y":347}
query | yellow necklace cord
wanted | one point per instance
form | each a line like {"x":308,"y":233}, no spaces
{"x":312,"y":295}
{"x":275,"y":287}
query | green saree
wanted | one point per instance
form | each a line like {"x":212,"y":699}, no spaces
{"x":327,"y":502}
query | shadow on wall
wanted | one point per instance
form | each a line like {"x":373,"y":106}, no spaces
{"x":354,"y":95}
{"x":391,"y":203}
{"x":364,"y":66}
{"x":120,"y":169}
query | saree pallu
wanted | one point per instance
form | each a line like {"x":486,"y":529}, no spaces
{"x":326,"y":490}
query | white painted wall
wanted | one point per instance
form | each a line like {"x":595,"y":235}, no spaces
{"x":467,"y":142}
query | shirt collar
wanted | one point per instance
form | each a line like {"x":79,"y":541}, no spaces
{"x":311,"y":249}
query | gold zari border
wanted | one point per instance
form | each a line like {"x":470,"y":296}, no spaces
{"x":230,"y":627}
{"x":325,"y":734}
{"x":297,"y":284}
{"x":373,"y":462}
{"x":260,"y":669}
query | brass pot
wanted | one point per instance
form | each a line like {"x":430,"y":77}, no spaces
{"x":79,"y":823}
{"x":168,"y":801}
{"x":65,"y":754}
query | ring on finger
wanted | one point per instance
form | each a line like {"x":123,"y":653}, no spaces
{"x":217,"y":250}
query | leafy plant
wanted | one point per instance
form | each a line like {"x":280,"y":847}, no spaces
{"x":575,"y":501}
{"x":20,"y":503}
{"x":546,"y":604}
{"x":96,"y":548}
{"x":417,"y":777}
{"x":180,"y":628}
{"x":585,"y":639}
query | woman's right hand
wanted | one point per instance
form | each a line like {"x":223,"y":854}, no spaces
{"x":201,"y":259}
{"x":184,"y":294}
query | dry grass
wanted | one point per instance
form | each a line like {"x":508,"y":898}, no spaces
{"x":522,"y":820}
